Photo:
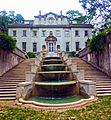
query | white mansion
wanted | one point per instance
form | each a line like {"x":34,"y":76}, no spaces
{"x":52,"y":31}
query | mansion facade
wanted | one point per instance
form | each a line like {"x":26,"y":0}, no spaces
{"x":50,"y":31}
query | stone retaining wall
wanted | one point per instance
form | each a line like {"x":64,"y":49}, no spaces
{"x":10,"y":59}
{"x":100,"y":60}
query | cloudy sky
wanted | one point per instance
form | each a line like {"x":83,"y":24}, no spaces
{"x":30,"y":8}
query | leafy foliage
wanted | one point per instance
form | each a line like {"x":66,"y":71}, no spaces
{"x":72,"y":54}
{"x":7,"y":42}
{"x":9,"y":19}
{"x":3,"y":22}
{"x":31,"y":55}
{"x":98,"y":12}
{"x":97,"y":42}
{"x":76,"y":16}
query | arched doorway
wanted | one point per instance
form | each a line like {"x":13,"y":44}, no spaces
{"x":51,"y":42}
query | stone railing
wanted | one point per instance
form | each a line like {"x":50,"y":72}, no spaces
{"x":10,"y":59}
{"x":102,"y":59}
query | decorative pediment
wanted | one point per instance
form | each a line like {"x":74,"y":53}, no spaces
{"x":51,"y":19}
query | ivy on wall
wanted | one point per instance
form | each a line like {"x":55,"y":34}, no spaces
{"x":7,"y":43}
{"x":97,"y":42}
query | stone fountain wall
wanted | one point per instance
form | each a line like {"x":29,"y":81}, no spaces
{"x":83,"y":87}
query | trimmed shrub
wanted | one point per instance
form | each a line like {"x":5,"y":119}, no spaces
{"x":7,"y":43}
{"x":72,"y":54}
{"x":31,"y":55}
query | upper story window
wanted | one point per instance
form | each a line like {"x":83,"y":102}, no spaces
{"x":43,"y":33}
{"x":24,"y":33}
{"x":58,"y":33}
{"x":34,"y":47}
{"x":14,"y":33}
{"x":77,"y":33}
{"x":67,"y":33}
{"x":34,"y":33}
{"x":86,"y":33}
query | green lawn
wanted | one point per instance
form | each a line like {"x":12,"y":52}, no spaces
{"x":97,"y":111}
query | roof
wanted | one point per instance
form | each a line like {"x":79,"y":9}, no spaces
{"x":50,"y":26}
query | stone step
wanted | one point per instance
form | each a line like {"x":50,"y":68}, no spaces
{"x":12,"y":82}
{"x":8,"y":98}
{"x":7,"y":92}
{"x":7,"y":95}
{"x":100,"y":89}
{"x":105,"y":94}
{"x":98,"y":79}
{"x":99,"y":84}
{"x":7,"y":89}
{"x":104,"y":91}
{"x":103,"y":86}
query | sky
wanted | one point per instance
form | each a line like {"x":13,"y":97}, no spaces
{"x":30,"y":8}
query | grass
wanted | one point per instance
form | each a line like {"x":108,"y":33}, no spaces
{"x":97,"y":111}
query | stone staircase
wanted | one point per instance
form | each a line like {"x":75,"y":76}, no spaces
{"x":10,"y":79}
{"x":103,"y":82}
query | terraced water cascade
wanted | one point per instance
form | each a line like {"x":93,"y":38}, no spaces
{"x":54,"y":84}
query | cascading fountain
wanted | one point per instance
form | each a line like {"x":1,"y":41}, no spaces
{"x":54,"y":84}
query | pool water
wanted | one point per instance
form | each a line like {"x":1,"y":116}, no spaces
{"x":62,"y":100}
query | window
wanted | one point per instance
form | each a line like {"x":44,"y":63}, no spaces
{"x":58,"y":33}
{"x":67,"y":34}
{"x":24,"y":46}
{"x":14,"y":33}
{"x":43,"y":33}
{"x":34,"y":33}
{"x":67,"y":46}
{"x":85,"y":44}
{"x":77,"y":33}
{"x":24,"y":33}
{"x":77,"y":46}
{"x":85,"y":33}
{"x":34,"y":47}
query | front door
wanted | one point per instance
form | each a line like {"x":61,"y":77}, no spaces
{"x":50,"y":46}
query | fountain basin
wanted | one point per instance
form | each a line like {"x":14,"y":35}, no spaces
{"x":56,"y":83}
{"x":53,"y":67}
{"x":55,"y":89}
{"x":76,"y":104}
{"x":54,"y":75}
{"x":52,"y":61}
{"x":52,"y":57}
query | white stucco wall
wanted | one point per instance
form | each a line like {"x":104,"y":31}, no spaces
{"x":40,"y":40}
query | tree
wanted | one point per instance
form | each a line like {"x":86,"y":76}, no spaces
{"x":97,"y":11}
{"x":3,"y":21}
{"x":11,"y":17}
{"x":19,"y":18}
{"x":76,"y":16}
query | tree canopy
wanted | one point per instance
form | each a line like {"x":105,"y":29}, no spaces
{"x":9,"y":18}
{"x":98,"y":12}
{"x":76,"y":16}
